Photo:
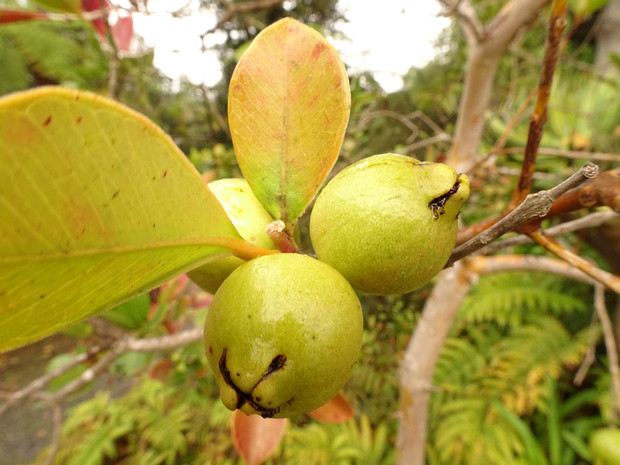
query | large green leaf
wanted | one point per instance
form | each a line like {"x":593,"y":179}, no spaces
{"x":288,"y":108}
{"x":97,"y":205}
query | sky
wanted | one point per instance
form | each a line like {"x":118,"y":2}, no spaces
{"x":385,"y":37}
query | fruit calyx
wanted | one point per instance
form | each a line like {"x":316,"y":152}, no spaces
{"x":276,"y":364}
{"x":437,"y":205}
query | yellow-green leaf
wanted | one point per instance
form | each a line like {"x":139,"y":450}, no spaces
{"x":97,"y":205}
{"x":65,"y":6}
{"x":288,"y":107}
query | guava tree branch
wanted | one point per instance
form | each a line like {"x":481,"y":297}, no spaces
{"x":534,"y":207}
{"x":485,"y":48}
{"x":603,"y":190}
{"x":557,"y":23}
{"x":602,"y":276}
{"x":592,"y":220}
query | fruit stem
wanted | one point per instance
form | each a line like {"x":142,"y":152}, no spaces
{"x":240,"y":248}
{"x":282,"y":236}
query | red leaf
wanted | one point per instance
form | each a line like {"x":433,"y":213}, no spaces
{"x":122,"y":32}
{"x":98,"y":23}
{"x":337,"y":410}
{"x":255,"y":437}
{"x":11,"y":16}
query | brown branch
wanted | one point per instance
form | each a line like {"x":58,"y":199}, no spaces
{"x":535,"y":206}
{"x":574,"y":154}
{"x":604,"y":190}
{"x":549,"y":243}
{"x":592,"y":220}
{"x":612,"y":352}
{"x":557,"y":23}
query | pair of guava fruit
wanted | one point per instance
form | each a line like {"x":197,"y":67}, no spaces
{"x":284,"y":331}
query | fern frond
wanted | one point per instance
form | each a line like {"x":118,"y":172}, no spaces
{"x":508,"y":299}
{"x":524,"y":359}
{"x":14,"y":75}
{"x":469,"y":431}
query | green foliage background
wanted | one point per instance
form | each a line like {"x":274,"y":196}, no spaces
{"x":504,"y":382}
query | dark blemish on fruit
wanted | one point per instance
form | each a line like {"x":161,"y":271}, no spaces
{"x":116,"y":194}
{"x":42,"y":296}
{"x":276,"y":364}
{"x":243,"y":397}
{"x":47,"y":121}
{"x":165,"y":174}
{"x":210,"y":348}
{"x":437,"y":205}
{"x":79,"y":120}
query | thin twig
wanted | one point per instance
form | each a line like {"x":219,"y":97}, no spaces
{"x":233,"y":9}
{"x":557,"y":23}
{"x":534,"y":206}
{"x":590,"y":356}
{"x":56,"y":432}
{"x":41,"y":382}
{"x":592,"y":220}
{"x":123,"y":345}
{"x":463,"y":10}
{"x":612,"y":352}
{"x":574,"y":154}
{"x":549,"y":243}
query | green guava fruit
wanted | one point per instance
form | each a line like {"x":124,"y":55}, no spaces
{"x":605,"y":446}
{"x":388,"y":223}
{"x":282,"y":335}
{"x":249,"y":218}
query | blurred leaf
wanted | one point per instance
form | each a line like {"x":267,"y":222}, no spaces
{"x":97,"y":205}
{"x":288,"y":107}
{"x":65,"y":6}
{"x":337,"y":410}
{"x":72,"y":373}
{"x":122,"y":32}
{"x":10,"y":16}
{"x":81,"y":330}
{"x":255,"y":437}
{"x":584,"y":8}
{"x":130,"y":363}
{"x":131,"y":314}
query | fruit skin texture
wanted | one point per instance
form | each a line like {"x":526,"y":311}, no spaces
{"x":282,"y":334}
{"x":388,"y":223}
{"x":249,"y":218}
{"x":605,"y":446}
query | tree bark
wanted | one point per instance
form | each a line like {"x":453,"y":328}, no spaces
{"x":485,"y":49}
